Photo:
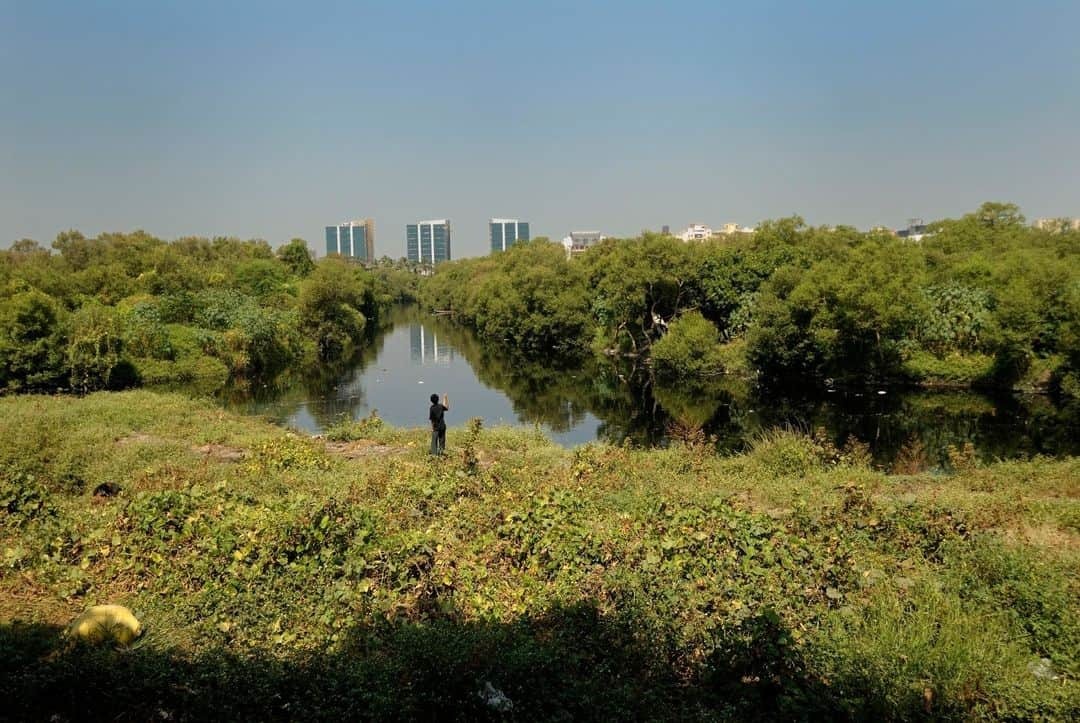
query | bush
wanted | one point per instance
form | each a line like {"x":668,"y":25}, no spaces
{"x":336,"y":301}
{"x":32,"y":341}
{"x":689,"y":349}
{"x":94,"y":349}
{"x":952,"y":368}
{"x":924,"y":654}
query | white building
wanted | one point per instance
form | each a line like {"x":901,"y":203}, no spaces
{"x":695,"y":232}
{"x":579,"y":241}
{"x":729,"y":228}
{"x":1060,"y":224}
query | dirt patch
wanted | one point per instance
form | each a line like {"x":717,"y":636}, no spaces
{"x":221,"y":452}
{"x":1046,"y":535}
{"x":139,"y":438}
{"x":363,"y":448}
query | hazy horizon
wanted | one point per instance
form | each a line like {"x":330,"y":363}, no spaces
{"x":273,"y":120}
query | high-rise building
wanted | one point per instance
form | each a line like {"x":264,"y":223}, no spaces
{"x":428,"y":242}
{"x":355,"y":239}
{"x":506,"y":231}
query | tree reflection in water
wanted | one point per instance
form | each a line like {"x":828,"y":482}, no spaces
{"x":564,"y":394}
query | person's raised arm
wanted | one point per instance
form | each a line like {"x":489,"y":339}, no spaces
{"x":446,"y":402}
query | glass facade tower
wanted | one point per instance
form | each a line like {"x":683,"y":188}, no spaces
{"x":428,"y":242}
{"x":354,"y":239}
{"x":506,"y":231}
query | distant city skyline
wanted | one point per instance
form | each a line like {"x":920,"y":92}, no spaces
{"x":264,"y":121}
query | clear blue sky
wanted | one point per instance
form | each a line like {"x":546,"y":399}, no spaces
{"x":274,"y":119}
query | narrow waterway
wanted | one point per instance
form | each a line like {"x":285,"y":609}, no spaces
{"x":416,"y":355}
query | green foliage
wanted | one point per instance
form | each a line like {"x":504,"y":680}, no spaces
{"x":690,"y":349}
{"x":336,"y":301}
{"x":956,"y":318}
{"x":470,"y":460}
{"x":94,"y":349}
{"x":296,"y":256}
{"x":1036,"y":595}
{"x":530,"y":298}
{"x":953,"y":658}
{"x":32,"y":341}
{"x":349,"y":431}
{"x":808,"y":303}
{"x":954,"y":368}
{"x":145,"y":333}
{"x":260,"y":277}
{"x":22,"y":499}
{"x":791,"y":583}
{"x":103,"y":312}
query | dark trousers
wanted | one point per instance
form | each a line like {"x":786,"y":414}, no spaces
{"x":438,"y":441}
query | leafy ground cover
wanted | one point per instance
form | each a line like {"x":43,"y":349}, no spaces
{"x":284,"y":577}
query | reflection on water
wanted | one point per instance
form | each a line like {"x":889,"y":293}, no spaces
{"x":424,"y":346}
{"x":417,"y":355}
{"x":414,"y":356}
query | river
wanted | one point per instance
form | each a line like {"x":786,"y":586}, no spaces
{"x":415,"y":355}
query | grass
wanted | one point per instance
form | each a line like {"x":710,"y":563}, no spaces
{"x":280,"y":576}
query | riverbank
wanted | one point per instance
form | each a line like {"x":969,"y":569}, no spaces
{"x":279,"y":575}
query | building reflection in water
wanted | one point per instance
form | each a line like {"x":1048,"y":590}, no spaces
{"x":425,"y":348}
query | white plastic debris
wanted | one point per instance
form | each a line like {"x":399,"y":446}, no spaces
{"x":496,"y":699}
{"x":1043,"y":669}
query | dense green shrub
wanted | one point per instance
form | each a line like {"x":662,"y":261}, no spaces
{"x":32,"y":341}
{"x":689,"y":349}
{"x":530,"y":298}
{"x":95,"y":344}
{"x":336,"y":301}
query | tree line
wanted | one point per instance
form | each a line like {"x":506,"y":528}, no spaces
{"x":981,"y":300}
{"x":124,"y":309}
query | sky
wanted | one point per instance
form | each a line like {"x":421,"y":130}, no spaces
{"x":274,"y":119}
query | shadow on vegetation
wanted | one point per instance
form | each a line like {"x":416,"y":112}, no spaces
{"x":568,"y":664}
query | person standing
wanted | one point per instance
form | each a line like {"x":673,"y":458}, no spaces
{"x":438,"y":423}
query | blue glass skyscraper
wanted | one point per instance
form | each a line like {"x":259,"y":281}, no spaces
{"x":428,"y":242}
{"x":355,"y":239}
{"x":507,"y":231}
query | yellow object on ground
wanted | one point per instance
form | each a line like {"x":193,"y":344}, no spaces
{"x":106,"y":622}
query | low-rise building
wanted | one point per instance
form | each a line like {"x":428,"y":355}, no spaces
{"x":580,"y":241}
{"x":696,"y":232}
{"x":729,"y":228}
{"x":916,"y":230}
{"x":1062,"y":223}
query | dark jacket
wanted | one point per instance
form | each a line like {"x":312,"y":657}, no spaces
{"x":438,"y":423}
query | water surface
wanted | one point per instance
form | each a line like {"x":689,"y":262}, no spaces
{"x":416,"y":355}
